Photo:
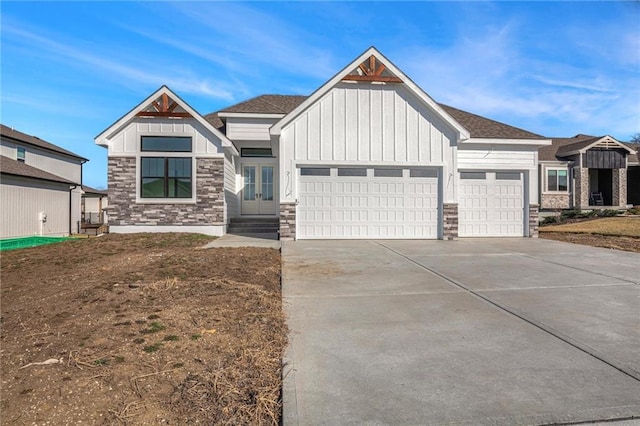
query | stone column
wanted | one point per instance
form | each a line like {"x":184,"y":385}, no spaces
{"x":581,"y":195}
{"x":450,"y":221}
{"x":619,"y":182}
{"x":287,"y":221}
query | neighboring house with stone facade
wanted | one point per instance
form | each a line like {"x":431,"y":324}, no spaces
{"x":586,"y":171}
{"x":368,"y":155}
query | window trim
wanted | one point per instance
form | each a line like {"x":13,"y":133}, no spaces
{"x":546,"y":180}
{"x":166,"y":178}
{"x":24,"y":154}
{"x":194,"y":181}
{"x":142,"y":137}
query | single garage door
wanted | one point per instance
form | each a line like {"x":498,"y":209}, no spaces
{"x":491,"y":204}
{"x":350,"y":203}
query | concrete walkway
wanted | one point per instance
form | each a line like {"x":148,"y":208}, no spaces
{"x":491,"y":331}
{"x":268,"y":240}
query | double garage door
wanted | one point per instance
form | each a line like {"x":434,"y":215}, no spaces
{"x":351,"y":203}
{"x":403,"y":203}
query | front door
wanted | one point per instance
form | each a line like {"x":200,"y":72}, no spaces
{"x":258,"y":189}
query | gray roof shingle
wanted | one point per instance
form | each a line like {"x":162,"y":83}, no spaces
{"x":10,"y":166}
{"x":479,"y":127}
{"x":20,"y":137}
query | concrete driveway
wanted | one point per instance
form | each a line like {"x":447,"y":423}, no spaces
{"x":477,"y":331}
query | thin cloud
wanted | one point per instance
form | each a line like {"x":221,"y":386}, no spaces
{"x":118,"y":71}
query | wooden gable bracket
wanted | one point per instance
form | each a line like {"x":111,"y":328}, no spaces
{"x":163,"y":109}
{"x":372,"y":72}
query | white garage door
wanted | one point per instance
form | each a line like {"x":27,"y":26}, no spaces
{"x":350,"y":203}
{"x":491,"y":204}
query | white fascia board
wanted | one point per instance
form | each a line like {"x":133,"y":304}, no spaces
{"x":248,"y":115}
{"x":102,"y":138}
{"x":421,"y":94}
{"x":520,"y":142}
{"x":554,"y":163}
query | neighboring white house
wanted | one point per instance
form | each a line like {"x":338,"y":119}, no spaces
{"x":40,"y":186}
{"x":368,"y":155}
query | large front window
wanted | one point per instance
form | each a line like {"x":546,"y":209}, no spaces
{"x":557,"y":180}
{"x":166,"y":177}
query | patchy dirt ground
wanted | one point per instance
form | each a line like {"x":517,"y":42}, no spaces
{"x":141,"y":329}
{"x":606,"y":241}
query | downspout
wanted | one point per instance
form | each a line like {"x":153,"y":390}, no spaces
{"x":71,"y":207}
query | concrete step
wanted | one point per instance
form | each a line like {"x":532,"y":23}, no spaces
{"x":273,"y":220}
{"x":245,"y":231}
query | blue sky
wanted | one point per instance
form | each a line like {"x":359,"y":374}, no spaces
{"x":70,"y":69}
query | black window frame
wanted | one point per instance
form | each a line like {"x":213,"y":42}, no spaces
{"x":155,"y":149}
{"x":256,"y":152}
{"x":166,"y":178}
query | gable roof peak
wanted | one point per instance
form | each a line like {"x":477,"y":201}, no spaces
{"x":383,"y":73}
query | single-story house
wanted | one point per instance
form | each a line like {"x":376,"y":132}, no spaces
{"x":40,"y":186}
{"x":368,"y":155}
{"x":584,"y":172}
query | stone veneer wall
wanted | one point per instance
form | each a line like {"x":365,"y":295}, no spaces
{"x":450,"y":221}
{"x":208,"y":209}
{"x":581,"y":195}
{"x":554,"y":201}
{"x":619,"y":182}
{"x":287,"y":221}
{"x":534,"y":220}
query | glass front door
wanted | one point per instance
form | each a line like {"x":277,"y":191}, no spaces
{"x":258,"y":190}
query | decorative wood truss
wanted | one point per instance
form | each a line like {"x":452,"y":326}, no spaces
{"x":163,"y":109}
{"x":371,"y":71}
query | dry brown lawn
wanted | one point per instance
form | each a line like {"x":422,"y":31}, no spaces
{"x":141,"y":329}
{"x":618,"y":233}
{"x":614,"y":226}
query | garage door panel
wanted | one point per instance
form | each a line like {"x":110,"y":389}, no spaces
{"x":368,"y":207}
{"x":490,"y":206}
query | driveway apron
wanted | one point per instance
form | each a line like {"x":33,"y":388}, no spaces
{"x":475,"y":331}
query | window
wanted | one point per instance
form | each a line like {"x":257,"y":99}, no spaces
{"x":165,"y":177}
{"x":256,"y":152}
{"x":387,"y":172}
{"x":423,"y":173}
{"x":473,"y":175}
{"x":315,"y":171}
{"x":21,"y":154}
{"x":557,"y":180}
{"x":352,"y":171}
{"x":507,"y":176}
{"x":166,"y":144}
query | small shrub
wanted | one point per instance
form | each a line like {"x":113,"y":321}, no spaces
{"x":153,"y":328}
{"x":138,"y":341}
{"x":152,"y":348}
{"x":569,"y":214}
{"x":101,"y":361}
{"x":608,"y":213}
{"x":171,"y":338}
{"x":549,"y":220}
{"x":634,"y":211}
{"x":195,"y":336}
{"x":153,"y":316}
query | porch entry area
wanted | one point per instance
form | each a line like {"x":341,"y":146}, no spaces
{"x":258,"y":189}
{"x":601,"y":187}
